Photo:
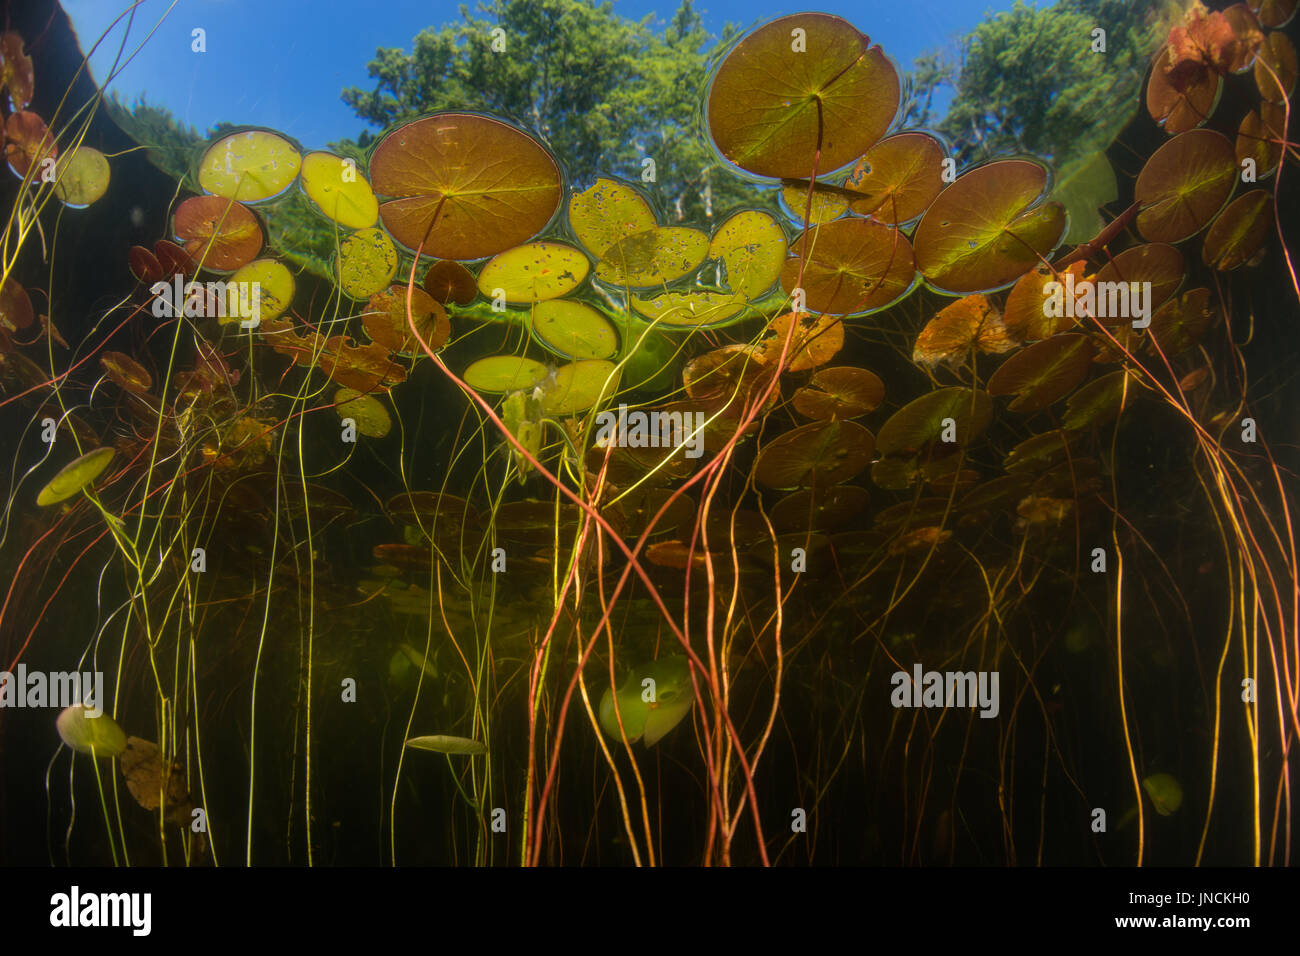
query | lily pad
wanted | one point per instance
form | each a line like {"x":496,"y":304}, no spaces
{"x":751,"y":245}
{"x":1097,"y":402}
{"x":1026,"y":316}
{"x":16,"y":310}
{"x":578,"y":386}
{"x":275,"y":283}
{"x":463,"y":185}
{"x":1158,"y":263}
{"x":1179,"y":107}
{"x":654,"y":699}
{"x":219,"y":233}
{"x":504,"y":373}
{"x":988,"y":228}
{"x":780,"y":96}
{"x":447,"y":744}
{"x":854,"y":266}
{"x":1179,"y":323}
{"x":815,"y":341}
{"x":144,"y":265}
{"x":366,"y":263}
{"x":574,"y":330}
{"x":81,"y":177}
{"x":16,"y":72}
{"x":534,"y":272}
{"x":1044,"y":372}
{"x":1276,"y":64}
{"x":900,"y":176}
{"x":27,"y":142}
{"x":608,"y":212}
{"x":126,"y":372}
{"x":921,"y":422}
{"x":75,"y":476}
{"x":840,"y":392}
{"x":368,"y":412}
{"x":90,"y":735}
{"x":831,"y":508}
{"x":970,"y":323}
{"x":385,"y":321}
{"x":249,"y":165}
{"x":1184,"y":184}
{"x":1259,"y":138}
{"x":1239,"y":232}
{"x":652,"y":258}
{"x":823,"y":453}
{"x":1165,"y":791}
{"x":696,"y":310}
{"x":338,"y":190}
{"x":449,"y":281}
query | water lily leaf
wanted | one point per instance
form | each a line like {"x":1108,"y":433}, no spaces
{"x":1274,"y":13}
{"x":574,"y":330}
{"x":1276,"y":64}
{"x":986,"y":229}
{"x":969,"y":323}
{"x":1165,"y":792}
{"x":16,"y":310}
{"x":900,"y":176}
{"x":1260,"y":138}
{"x":607,"y":212}
{"x":725,"y":380}
{"x":85,"y":734}
{"x":697,"y":310}
{"x":667,"y":684}
{"x":1246,"y":34}
{"x":449,"y":281}
{"x":1044,"y":372}
{"x":751,"y":245}
{"x":368,"y":412}
{"x":126,"y":372}
{"x":16,"y":73}
{"x":841,"y":392}
{"x":827,"y":204}
{"x":1026,"y":316}
{"x":464,"y":185}
{"x":75,"y":476}
{"x":921,"y":422}
{"x":828,"y":508}
{"x":774,"y":101}
{"x":816,"y":340}
{"x":854,"y":266}
{"x":1158,"y":263}
{"x":1096,"y":403}
{"x":447,"y":744}
{"x":275,"y":282}
{"x":151,"y":781}
{"x":365,"y":368}
{"x":1178,"y":324}
{"x":1184,"y":183}
{"x":578,"y":386}
{"x":504,"y":373}
{"x":1239,"y":231}
{"x":1039,"y":452}
{"x":385,"y":321}
{"x":81,"y":177}
{"x":366,"y":263}
{"x":534,"y":272}
{"x":823,"y":453}
{"x":652,"y":258}
{"x":338,"y":190}
{"x":173,"y":259}
{"x":220,"y":233}
{"x":1183,"y":105}
{"x":144,"y":265}
{"x":249,"y":165}
{"x":1083,"y":187}
{"x":28,"y":142}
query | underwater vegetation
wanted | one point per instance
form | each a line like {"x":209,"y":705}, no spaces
{"x":916,"y":512}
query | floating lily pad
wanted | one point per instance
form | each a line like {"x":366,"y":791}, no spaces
{"x":449,"y":281}
{"x":81,"y":177}
{"x":504,"y":373}
{"x":534,"y":272}
{"x":1184,"y":184}
{"x":823,"y":453}
{"x":697,"y":310}
{"x":90,"y":735}
{"x":338,"y":190}
{"x":921,"y":422}
{"x":751,"y":245}
{"x":987,"y":228}
{"x":1158,"y":263}
{"x":1274,"y":13}
{"x":1239,"y":232}
{"x":1044,"y":372}
{"x":969,"y":323}
{"x":220,"y":233}
{"x":275,"y":285}
{"x":842,"y":392}
{"x":578,"y":386}
{"x":447,"y":744}
{"x":1259,"y":137}
{"x":815,"y":341}
{"x":652,"y":258}
{"x":774,"y":102}
{"x":366,"y":263}
{"x":574,"y":330}
{"x":854,"y":266}
{"x":900,"y":176}
{"x":368,"y":412}
{"x":385,"y":321}
{"x":249,"y":165}
{"x":654,"y":699}
{"x":464,"y":185}
{"x":1179,"y":107}
{"x":1276,"y":64}
{"x":1026,"y":316}
{"x":827,"y":204}
{"x":126,"y":372}
{"x":608,"y":212}
{"x":75,"y":476}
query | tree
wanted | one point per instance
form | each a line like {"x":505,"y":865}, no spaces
{"x":603,"y":91}
{"x":1029,"y":80}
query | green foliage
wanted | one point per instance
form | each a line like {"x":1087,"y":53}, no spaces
{"x":603,"y":91}
{"x":1029,"y":82}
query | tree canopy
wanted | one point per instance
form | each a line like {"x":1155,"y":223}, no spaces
{"x":604,"y":91}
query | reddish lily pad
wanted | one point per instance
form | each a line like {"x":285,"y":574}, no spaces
{"x":1182,"y":104}
{"x":449,"y":281}
{"x":816,"y":340}
{"x":1184,"y":184}
{"x":899,"y":177}
{"x":16,"y":310}
{"x":385,"y":321}
{"x":28,"y":144}
{"x":220,"y":233}
{"x":1044,"y":372}
{"x":969,"y":323}
{"x":144,"y":265}
{"x":841,"y":392}
{"x":173,"y":259}
{"x":16,"y":73}
{"x":854,"y":266}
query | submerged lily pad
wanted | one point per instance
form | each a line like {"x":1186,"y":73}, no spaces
{"x":922,"y":421}
{"x":126,"y":372}
{"x":1184,"y":184}
{"x":249,"y":165}
{"x":1165,"y":791}
{"x":385,"y":321}
{"x":464,"y":185}
{"x":220,"y":233}
{"x":774,"y":102}
{"x":653,"y":700}
{"x":449,"y":281}
{"x":1044,"y":372}
{"x":823,"y":453}
{"x":574,"y":330}
{"x":751,"y":245}
{"x":368,"y":412}
{"x":447,"y":744}
{"x":1239,"y":232}
{"x":578,"y":386}
{"x":841,"y":392}
{"x":696,"y":310}
{"x":75,"y":476}
{"x":81,"y":176}
{"x":90,"y":735}
{"x":969,"y":323}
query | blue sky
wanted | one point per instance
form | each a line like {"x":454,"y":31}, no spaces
{"x":282,"y":63}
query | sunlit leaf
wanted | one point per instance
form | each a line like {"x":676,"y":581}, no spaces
{"x":815,"y":341}
{"x":275,"y":283}
{"x":652,"y":709}
{"x":826,"y":204}
{"x":75,"y":476}
{"x":1239,"y":231}
{"x":899,"y":177}
{"x":81,"y":176}
{"x":534,"y":272}
{"x":144,"y":265}
{"x":1044,"y":372}
{"x":1185,"y":104}
{"x":339,"y":190}
{"x":1026,"y":315}
{"x":607,"y":212}
{"x":27,"y":142}
{"x":504,"y":373}
{"x":969,"y":323}
{"x":1274,"y":13}
{"x":1184,"y":183}
{"x":854,"y":266}
{"x":464,"y":185}
{"x":250,"y":165}
{"x":1276,"y":64}
{"x":652,"y":258}
{"x":823,"y":453}
{"x":385,"y":320}
{"x":85,"y":734}
{"x":751,"y":245}
{"x":772,"y":105}
{"x":220,"y":233}
{"x":363,"y":367}
{"x":985,"y":229}
{"x":700,"y":310}
{"x":842,"y":392}
{"x":578,"y":386}
{"x":366,"y":263}
{"x":574,"y":330}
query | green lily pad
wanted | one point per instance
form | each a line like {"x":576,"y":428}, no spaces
{"x":339,"y":190}
{"x":1239,"y":231}
{"x":652,"y":258}
{"x":578,"y":386}
{"x":607,"y":212}
{"x":921,"y":422}
{"x":534,"y":272}
{"x":751,"y":245}
{"x":75,"y":476}
{"x":574,"y":330}
{"x":81,"y":177}
{"x":366,"y":263}
{"x":504,"y":373}
{"x":822,"y":453}
{"x":368,"y":412}
{"x":249,"y":165}
{"x":1043,"y":372}
{"x":90,"y":735}
{"x":653,"y":700}
{"x":447,"y":744}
